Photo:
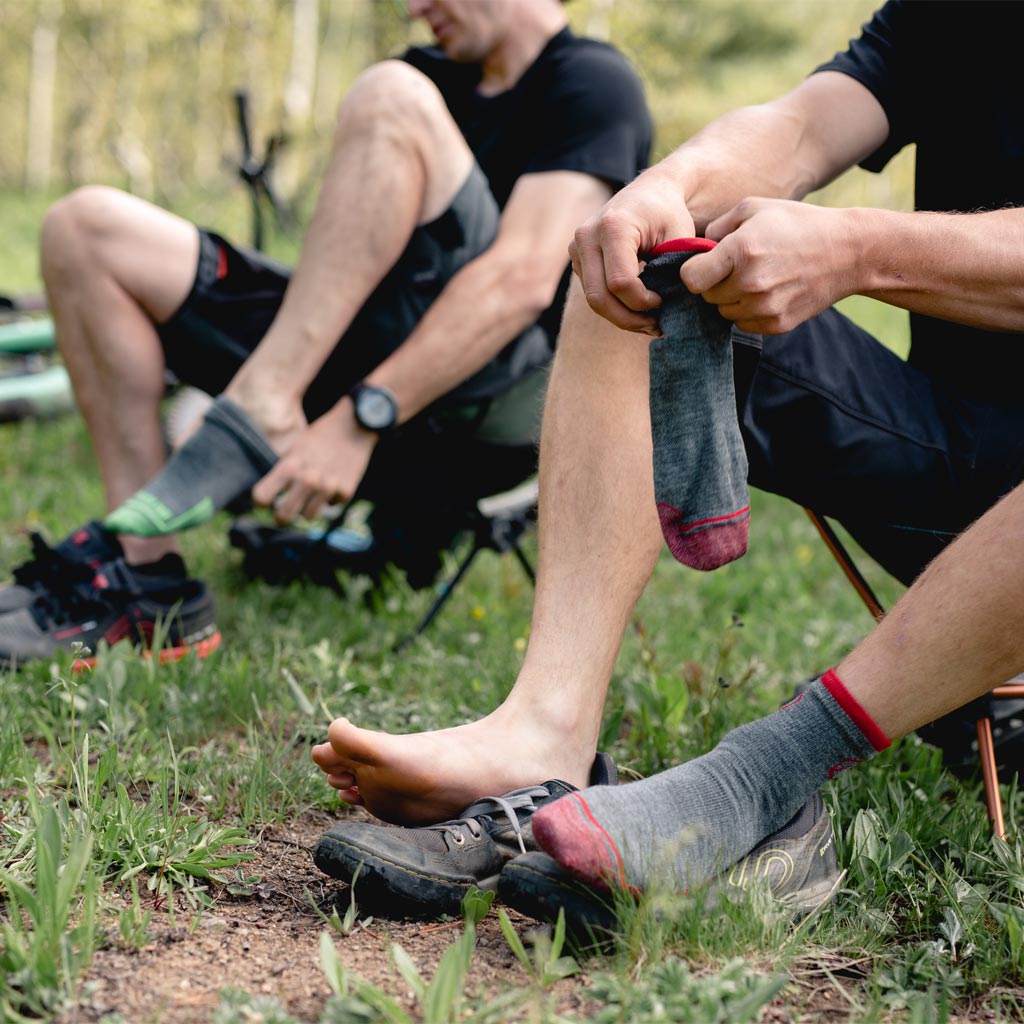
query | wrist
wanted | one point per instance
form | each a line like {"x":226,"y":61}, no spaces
{"x":865,"y":251}
{"x":374,"y":407}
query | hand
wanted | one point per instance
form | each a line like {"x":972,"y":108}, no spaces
{"x":326,"y":463}
{"x":777,"y":263}
{"x":605,"y":252}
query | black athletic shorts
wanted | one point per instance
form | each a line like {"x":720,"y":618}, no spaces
{"x":833,"y":420}
{"x":478,"y":440}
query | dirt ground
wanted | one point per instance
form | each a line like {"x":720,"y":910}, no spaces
{"x":266,"y":943}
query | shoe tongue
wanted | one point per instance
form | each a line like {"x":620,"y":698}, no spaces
{"x":91,"y":543}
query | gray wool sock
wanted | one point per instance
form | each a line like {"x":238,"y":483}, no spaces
{"x":690,"y":823}
{"x":700,"y":464}
{"x":223,"y":459}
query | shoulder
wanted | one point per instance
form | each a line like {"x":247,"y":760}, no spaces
{"x":576,"y":70}
{"x":570,"y":54}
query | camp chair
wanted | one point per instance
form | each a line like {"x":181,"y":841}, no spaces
{"x":498,"y":524}
{"x":983,"y":725}
{"x":281,"y":555}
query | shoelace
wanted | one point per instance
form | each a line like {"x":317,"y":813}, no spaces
{"x":510,"y":804}
{"x":50,"y":567}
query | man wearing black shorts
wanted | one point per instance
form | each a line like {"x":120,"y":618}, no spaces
{"x":437,"y":253}
{"x":907,"y":454}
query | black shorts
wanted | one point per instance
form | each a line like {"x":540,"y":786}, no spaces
{"x":446,"y":449}
{"x":833,"y":420}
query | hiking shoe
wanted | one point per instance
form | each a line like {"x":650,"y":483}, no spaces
{"x":159,"y":608}
{"x":426,"y":871}
{"x":797,"y":864}
{"x":74,"y":560}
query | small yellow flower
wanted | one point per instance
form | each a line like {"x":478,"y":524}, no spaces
{"x":478,"y":612}
{"x":519,"y":643}
{"x":804,"y":553}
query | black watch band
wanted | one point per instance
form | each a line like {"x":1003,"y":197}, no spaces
{"x":376,"y":408}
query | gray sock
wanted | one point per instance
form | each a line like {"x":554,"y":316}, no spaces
{"x":688,"y":824}
{"x":223,"y":459}
{"x":700,"y":464}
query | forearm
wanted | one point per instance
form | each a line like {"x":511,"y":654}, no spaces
{"x":486,"y":305}
{"x":960,"y":267}
{"x":755,"y":151}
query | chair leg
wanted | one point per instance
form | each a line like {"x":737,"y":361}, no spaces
{"x":986,"y":745}
{"x":987,"y":757}
{"x":446,"y":592}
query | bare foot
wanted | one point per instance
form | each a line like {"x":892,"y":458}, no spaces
{"x":431,"y":776}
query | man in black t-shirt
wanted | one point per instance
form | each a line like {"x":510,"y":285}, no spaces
{"x":436,"y":253}
{"x":907,"y":454}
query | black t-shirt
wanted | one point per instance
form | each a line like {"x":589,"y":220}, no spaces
{"x":948,"y":76}
{"x":578,"y":107}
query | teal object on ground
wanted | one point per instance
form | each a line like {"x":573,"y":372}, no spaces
{"x":23,"y":336}
{"x":46,"y":393}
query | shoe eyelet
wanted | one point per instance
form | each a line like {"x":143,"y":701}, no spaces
{"x":459,"y":839}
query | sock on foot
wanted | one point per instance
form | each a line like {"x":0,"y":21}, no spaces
{"x":688,"y":824}
{"x":700,"y":464}
{"x":223,"y":459}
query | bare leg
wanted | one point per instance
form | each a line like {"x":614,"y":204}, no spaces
{"x":599,"y":538}
{"x":114,"y":265}
{"x":954,"y":635}
{"x":398,"y":160}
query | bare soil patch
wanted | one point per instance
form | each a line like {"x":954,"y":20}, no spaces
{"x":266,"y":943}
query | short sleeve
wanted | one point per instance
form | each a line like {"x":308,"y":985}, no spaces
{"x":595,"y":117}
{"x":883,"y":59}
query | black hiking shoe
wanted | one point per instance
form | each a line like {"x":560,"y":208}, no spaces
{"x":797,"y":865}
{"x":74,"y":560}
{"x":159,"y":608}
{"x":416,"y":872}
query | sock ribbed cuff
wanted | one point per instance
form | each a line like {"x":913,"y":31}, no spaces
{"x":856,"y":713}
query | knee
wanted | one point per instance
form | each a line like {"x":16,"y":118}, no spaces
{"x":73,"y":231}
{"x":392,"y":94}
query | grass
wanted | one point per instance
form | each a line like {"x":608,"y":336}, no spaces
{"x":135,"y":792}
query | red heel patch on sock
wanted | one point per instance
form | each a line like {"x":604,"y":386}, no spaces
{"x":857,"y":714}
{"x":568,"y":830}
{"x":705,"y":544}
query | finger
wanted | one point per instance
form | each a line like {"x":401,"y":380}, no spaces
{"x":702,"y":272}
{"x":602,"y":302}
{"x":291,"y":502}
{"x":267,"y":489}
{"x":620,"y":253}
{"x":731,"y":220}
{"x":315,"y":504}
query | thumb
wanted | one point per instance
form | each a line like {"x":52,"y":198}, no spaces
{"x":700,"y":273}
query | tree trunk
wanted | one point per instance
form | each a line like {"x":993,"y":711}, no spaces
{"x":42,"y":93}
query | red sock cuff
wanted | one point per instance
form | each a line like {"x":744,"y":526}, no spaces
{"x":857,"y":714}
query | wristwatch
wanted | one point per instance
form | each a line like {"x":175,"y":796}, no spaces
{"x":376,"y":407}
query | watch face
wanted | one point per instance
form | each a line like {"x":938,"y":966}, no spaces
{"x":375,"y":408}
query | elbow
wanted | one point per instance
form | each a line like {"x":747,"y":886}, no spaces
{"x":529,"y":292}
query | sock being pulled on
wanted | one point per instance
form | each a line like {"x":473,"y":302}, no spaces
{"x":700,"y":464}
{"x":684,"y":826}
{"x":222,"y":460}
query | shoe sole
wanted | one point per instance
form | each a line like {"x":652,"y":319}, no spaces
{"x":165,"y":656}
{"x":536,"y":886}
{"x":391,"y":887}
